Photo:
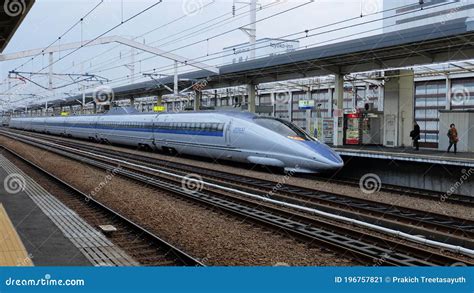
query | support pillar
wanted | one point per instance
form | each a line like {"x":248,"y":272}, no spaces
{"x":94,"y":110}
{"x":398,"y":108}
{"x":290,"y":106}
{"x":215,"y":98}
{"x":338,"y":135}
{"x":308,"y":115}
{"x":175,"y":80}
{"x":251,"y":98}
{"x":197,"y":101}
{"x":448,"y":93}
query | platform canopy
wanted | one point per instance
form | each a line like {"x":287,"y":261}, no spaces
{"x":12,"y":13}
{"x":442,"y":42}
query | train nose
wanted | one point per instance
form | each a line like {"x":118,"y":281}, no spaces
{"x":326,"y":155}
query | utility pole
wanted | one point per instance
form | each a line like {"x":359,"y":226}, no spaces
{"x":176,"y":90}
{"x":50,"y":77}
{"x":251,"y":29}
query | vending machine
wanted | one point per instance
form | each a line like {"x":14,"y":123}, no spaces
{"x":353,"y":128}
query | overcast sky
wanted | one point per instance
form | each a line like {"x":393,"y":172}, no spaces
{"x":170,"y":25}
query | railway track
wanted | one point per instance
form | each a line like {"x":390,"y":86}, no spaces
{"x":145,"y":247}
{"x":362,"y":245}
{"x":411,"y":192}
{"x":432,"y":226}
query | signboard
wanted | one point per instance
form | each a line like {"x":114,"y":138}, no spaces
{"x":263,"y":48}
{"x":158,"y":108}
{"x":328,"y":130}
{"x":64,"y":113}
{"x":306,"y":104}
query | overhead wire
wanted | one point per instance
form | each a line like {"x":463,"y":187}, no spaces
{"x":298,"y":33}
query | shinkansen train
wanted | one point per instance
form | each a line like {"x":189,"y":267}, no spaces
{"x":234,"y":136}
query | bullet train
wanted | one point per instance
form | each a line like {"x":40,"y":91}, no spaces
{"x":234,"y":136}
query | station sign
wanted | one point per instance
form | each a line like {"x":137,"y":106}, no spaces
{"x":158,"y":108}
{"x":306,"y":104}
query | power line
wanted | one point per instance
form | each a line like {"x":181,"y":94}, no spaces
{"x":308,"y":36}
{"x":142,"y":35}
{"x":62,"y":35}
{"x":104,"y":33}
{"x":201,"y":31}
{"x":204,"y":23}
{"x":220,"y":34}
{"x":315,"y":34}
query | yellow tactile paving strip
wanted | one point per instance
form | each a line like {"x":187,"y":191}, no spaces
{"x":12,"y":250}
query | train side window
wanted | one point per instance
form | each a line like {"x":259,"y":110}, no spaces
{"x":220,"y":127}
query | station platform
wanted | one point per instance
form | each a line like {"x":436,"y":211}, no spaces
{"x":12,"y":250}
{"x":429,"y":156}
{"x":426,"y":169}
{"x":42,"y":231}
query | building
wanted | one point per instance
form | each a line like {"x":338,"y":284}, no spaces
{"x":403,"y":14}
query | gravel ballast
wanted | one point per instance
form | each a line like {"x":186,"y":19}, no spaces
{"x":320,"y":184}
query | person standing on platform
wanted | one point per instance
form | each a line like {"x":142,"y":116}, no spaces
{"x":415,"y":135}
{"x":453,"y":138}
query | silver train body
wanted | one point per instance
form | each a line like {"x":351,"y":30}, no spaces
{"x":234,"y":136}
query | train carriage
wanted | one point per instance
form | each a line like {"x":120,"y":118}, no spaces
{"x":134,"y":130}
{"x":234,"y":136}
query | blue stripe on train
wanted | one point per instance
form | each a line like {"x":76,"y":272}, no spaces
{"x":170,"y":131}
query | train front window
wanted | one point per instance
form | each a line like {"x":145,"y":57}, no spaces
{"x":284,"y":128}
